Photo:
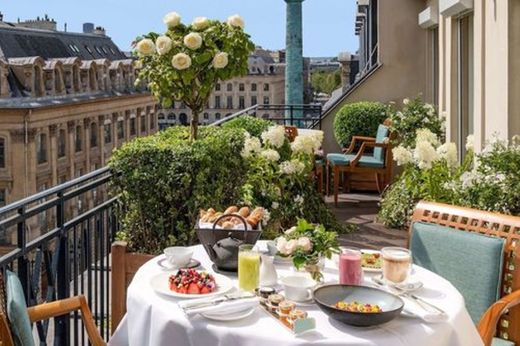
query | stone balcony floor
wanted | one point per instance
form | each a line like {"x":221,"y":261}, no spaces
{"x":361,"y":209}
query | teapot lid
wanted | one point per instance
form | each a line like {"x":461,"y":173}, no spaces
{"x":230,"y":241}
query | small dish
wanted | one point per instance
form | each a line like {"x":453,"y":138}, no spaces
{"x":229,"y":316}
{"x":165,"y":264}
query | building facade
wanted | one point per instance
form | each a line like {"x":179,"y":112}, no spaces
{"x":67,"y":100}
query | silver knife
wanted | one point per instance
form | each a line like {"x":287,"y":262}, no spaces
{"x":227,"y":298}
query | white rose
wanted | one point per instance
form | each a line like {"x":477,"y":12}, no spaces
{"x":220,"y":60}
{"x":236,"y":21}
{"x":163,"y":44}
{"x":281,"y":245}
{"x":291,"y":246}
{"x":193,"y":41}
{"x":305,"y":243}
{"x":172,"y":19}
{"x":200,"y":23}
{"x":181,"y":61}
{"x":290,"y":230}
{"x":145,"y":47}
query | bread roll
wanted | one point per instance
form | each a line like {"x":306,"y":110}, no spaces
{"x":231,"y":210}
{"x":244,"y":212}
{"x":228,"y":225}
{"x":214,"y":217}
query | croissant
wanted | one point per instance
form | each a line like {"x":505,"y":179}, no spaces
{"x":244,"y":212}
{"x":253,"y":220}
{"x":211,"y":211}
{"x":258,"y":212}
{"x":231,"y":210}
{"x":214,"y":217}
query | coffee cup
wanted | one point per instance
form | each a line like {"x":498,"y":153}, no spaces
{"x":298,"y":288}
{"x":178,"y":256}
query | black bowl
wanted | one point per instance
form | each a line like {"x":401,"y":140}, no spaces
{"x":327,"y":296}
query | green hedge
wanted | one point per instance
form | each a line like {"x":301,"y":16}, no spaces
{"x":255,"y":126}
{"x":164,"y":179}
{"x":358,"y":119}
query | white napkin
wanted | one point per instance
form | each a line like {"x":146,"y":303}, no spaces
{"x":414,"y":309}
{"x":221,"y":308}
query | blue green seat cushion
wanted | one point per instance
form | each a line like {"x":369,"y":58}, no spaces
{"x":345,"y":159}
{"x":21,"y":329}
{"x":381,"y":136}
{"x":501,"y":342}
{"x":472,"y":262}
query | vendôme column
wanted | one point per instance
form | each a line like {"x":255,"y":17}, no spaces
{"x":294,"y":56}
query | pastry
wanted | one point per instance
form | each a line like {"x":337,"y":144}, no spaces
{"x":214,"y":217}
{"x":228,"y":225}
{"x":244,"y":212}
{"x":231,"y":210}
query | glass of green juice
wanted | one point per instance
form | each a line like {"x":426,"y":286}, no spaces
{"x":248,"y":268}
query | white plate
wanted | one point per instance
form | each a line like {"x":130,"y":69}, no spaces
{"x":229,"y":316}
{"x":160,"y":285}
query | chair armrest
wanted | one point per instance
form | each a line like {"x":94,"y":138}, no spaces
{"x":487,"y":325}
{"x":356,"y":139}
{"x":66,"y":306}
{"x":361,"y":151}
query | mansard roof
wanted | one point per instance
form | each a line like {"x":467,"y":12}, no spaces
{"x":18,"y":42}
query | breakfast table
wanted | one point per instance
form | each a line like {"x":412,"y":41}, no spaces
{"x":155,"y":319}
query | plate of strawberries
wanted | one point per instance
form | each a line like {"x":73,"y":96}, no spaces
{"x":191,"y":283}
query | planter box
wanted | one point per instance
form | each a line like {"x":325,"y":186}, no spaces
{"x":124,"y":266}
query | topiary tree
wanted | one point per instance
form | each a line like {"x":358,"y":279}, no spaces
{"x":186,"y":62}
{"x":255,"y":126}
{"x":358,"y":119}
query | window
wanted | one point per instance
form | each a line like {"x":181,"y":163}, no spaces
{"x":266,"y":100}
{"x":143,"y":124}
{"x":230,"y":102}
{"x":241,"y":87}
{"x":217,"y":102}
{"x":2,"y":152}
{"x":465,"y":82}
{"x":217,"y":87}
{"x":241,"y":102}
{"x":206,"y":116}
{"x":133,"y":127}
{"x":120,"y":129}
{"x":61,"y":143}
{"x":266,"y":87}
{"x":253,"y":87}
{"x":93,"y":135}
{"x":88,"y":49}
{"x":78,"y":135}
{"x":41,"y":148}
{"x":229,"y":87}
{"x":254,"y":100}
{"x":108,"y":133}
{"x":3,"y":197}
{"x":172,"y":116}
{"x":217,"y":116}
{"x":152,"y":120}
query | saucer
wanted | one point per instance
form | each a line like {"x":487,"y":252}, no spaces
{"x":229,"y":316}
{"x":165,"y":264}
{"x":308,"y":302}
{"x":411,"y":286}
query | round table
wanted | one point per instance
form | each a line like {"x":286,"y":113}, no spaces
{"x":155,"y":320}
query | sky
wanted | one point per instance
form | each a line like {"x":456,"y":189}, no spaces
{"x":328,"y":24}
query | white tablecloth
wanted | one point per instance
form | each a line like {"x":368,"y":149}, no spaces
{"x":156,"y":320}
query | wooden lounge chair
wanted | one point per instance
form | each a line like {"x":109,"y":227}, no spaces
{"x":43,"y":312}
{"x":378,"y":164}
{"x":441,"y":235}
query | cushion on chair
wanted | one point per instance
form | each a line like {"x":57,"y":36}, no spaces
{"x":382,"y":134}
{"x":471,"y":262}
{"x":17,"y":311}
{"x":501,"y":342}
{"x":344,"y":160}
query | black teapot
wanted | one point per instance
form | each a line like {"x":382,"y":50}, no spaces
{"x":225,"y":253}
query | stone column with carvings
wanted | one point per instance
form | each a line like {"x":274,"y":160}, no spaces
{"x":294,"y":54}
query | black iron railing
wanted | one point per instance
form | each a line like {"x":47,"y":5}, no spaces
{"x":63,"y":237}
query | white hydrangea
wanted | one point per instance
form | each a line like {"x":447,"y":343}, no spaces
{"x":425,"y":154}
{"x":252,"y":145}
{"x":402,"y":155}
{"x":303,"y":144}
{"x":275,"y":135}
{"x":470,"y":143}
{"x":266,"y":217}
{"x":292,"y":167}
{"x":430,"y":109}
{"x":270,"y":155}
{"x":448,"y":151}
{"x":425,"y":135}
{"x":318,"y":139}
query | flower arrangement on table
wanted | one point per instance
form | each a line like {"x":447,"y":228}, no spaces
{"x":186,"y":62}
{"x":306,"y":244}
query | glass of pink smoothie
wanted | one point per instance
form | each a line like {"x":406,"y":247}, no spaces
{"x":350,"y":271}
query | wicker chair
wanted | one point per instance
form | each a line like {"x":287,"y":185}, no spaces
{"x":502,"y":319}
{"x":49,"y":310}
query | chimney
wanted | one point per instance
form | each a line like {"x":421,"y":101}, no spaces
{"x":99,"y":30}
{"x":65,"y":27}
{"x":88,"y":28}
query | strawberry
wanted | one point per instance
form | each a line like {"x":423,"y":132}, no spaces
{"x":193,"y":289}
{"x":205,"y":290}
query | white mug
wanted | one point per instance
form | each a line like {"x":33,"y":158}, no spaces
{"x":298,"y":288}
{"x":178,"y":256}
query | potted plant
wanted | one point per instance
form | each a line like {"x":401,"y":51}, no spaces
{"x":186,"y":62}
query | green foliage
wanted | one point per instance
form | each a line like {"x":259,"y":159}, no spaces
{"x":255,"y":126}
{"x":358,"y":119}
{"x":326,"y":82}
{"x":164,"y":179}
{"x":415,"y":115}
